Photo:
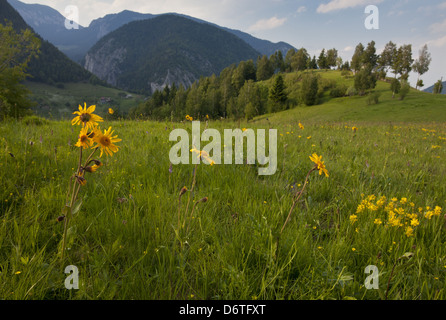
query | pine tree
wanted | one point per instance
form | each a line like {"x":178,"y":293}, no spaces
{"x":309,"y":89}
{"x":357,"y":63}
{"x":277,"y":94}
{"x":264,"y":68}
{"x":322,"y":60}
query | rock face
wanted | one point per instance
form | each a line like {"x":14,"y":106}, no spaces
{"x":104,"y":63}
{"x":175,"y":76}
{"x":148,"y":55}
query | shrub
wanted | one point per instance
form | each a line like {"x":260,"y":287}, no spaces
{"x":34,"y":120}
{"x":351,"y":91}
{"x":405,"y":88}
{"x":373,"y":98}
{"x":338,"y":91}
{"x":395,"y":86}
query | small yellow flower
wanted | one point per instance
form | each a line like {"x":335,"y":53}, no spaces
{"x":409,"y":231}
{"x":353,"y":218}
{"x":353,"y":249}
{"x":301,"y":126}
{"x":319,"y":164}
{"x":377,"y":221}
{"x":403,"y":200}
{"x":414,"y":222}
{"x":111,"y":111}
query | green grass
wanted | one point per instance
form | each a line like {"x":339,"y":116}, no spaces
{"x":125,"y":241}
{"x":59,"y":103}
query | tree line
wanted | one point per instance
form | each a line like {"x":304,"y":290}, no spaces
{"x":253,"y":88}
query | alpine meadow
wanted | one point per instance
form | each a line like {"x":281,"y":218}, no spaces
{"x":353,"y":209}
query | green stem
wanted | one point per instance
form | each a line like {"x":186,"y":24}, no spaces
{"x":298,"y":195}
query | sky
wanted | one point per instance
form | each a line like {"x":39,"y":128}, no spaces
{"x":313,"y":25}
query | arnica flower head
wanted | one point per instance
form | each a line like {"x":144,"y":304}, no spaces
{"x":301,"y":126}
{"x":106,"y":141}
{"x":319,"y":164}
{"x":111,"y":111}
{"x":80,"y":179}
{"x":84,"y":140}
{"x":86,"y":117}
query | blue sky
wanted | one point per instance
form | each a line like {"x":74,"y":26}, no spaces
{"x":313,"y":25}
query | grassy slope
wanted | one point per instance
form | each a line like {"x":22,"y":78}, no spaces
{"x":416,"y":107}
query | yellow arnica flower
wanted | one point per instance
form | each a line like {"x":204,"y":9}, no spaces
{"x":111,"y":111}
{"x":353,"y":218}
{"x":86,"y":117}
{"x":301,"y":126}
{"x":84,"y":140}
{"x":409,"y":231}
{"x":378,"y":221}
{"x":106,"y":141}
{"x":319,"y":164}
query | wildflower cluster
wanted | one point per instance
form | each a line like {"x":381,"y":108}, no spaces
{"x":189,"y":118}
{"x":398,"y":214}
{"x":90,"y":137}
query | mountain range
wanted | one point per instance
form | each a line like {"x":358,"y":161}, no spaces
{"x":146,"y":56}
{"x":75,"y":43}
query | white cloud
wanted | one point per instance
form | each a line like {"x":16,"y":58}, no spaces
{"x":442,"y":5}
{"x":302,"y":9}
{"x":267,"y":24}
{"x":438,"y":27}
{"x":334,"y":5}
{"x":348,"y":49}
{"x":440,"y":42}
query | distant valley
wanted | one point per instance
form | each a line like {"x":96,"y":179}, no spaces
{"x":153,"y":60}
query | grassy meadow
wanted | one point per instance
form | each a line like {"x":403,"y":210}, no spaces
{"x":383,"y":204}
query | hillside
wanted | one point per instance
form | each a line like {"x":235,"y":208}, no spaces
{"x":418,"y":106}
{"x":147,"y":55}
{"x":51,"y":65}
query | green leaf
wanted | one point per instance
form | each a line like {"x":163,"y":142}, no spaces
{"x":407,"y":255}
{"x":24,"y":260}
{"x":76,"y":207}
